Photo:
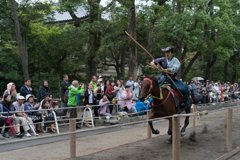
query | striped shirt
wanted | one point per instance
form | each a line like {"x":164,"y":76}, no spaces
{"x":18,"y":107}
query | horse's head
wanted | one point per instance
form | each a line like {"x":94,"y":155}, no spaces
{"x":146,"y":87}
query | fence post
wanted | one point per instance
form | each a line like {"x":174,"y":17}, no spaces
{"x":237,"y":105}
{"x":229,"y":129}
{"x":194,"y":117}
{"x":72,"y":137}
{"x":149,"y":133}
{"x":176,"y":137}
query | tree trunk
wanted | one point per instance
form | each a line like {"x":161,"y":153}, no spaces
{"x":20,"y":44}
{"x":132,"y":46}
{"x":225,"y":71}
{"x":123,"y":61}
{"x":25,"y":51}
{"x":210,"y":63}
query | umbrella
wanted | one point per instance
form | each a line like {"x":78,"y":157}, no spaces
{"x":198,"y":78}
{"x":10,"y":124}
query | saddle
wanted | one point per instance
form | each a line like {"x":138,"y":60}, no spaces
{"x":176,"y":96}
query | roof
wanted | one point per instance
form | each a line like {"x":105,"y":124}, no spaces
{"x":81,"y":13}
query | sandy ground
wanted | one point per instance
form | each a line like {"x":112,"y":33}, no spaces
{"x":210,"y":145}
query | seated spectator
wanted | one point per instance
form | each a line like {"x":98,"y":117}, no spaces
{"x":2,"y":120}
{"x":43,"y":92}
{"x":35,"y":116}
{"x":8,"y":107}
{"x":46,"y":115}
{"x":141,"y":106}
{"x":11,"y":90}
{"x":126,"y":98}
{"x":104,"y":110}
{"x":26,"y":88}
{"x":23,"y":118}
{"x":204,"y":97}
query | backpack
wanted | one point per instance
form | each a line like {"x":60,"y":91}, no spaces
{"x":66,"y":95}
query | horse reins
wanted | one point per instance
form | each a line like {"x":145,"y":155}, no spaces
{"x":160,"y":98}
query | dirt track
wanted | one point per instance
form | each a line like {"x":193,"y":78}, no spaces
{"x":210,"y":145}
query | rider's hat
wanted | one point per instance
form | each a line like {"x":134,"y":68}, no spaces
{"x":167,"y":49}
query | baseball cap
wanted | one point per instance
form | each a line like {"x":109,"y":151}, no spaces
{"x":20,"y":97}
{"x":121,"y":78}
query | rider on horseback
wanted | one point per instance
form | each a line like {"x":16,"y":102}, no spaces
{"x":170,"y":66}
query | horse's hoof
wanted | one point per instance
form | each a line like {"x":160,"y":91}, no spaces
{"x":156,"y":132}
{"x":168,"y":141}
{"x":182,"y":134}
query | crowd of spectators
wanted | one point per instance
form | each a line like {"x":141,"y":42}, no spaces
{"x":98,"y":91}
{"x":203,"y":92}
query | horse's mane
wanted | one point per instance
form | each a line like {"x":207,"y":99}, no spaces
{"x":155,"y":80}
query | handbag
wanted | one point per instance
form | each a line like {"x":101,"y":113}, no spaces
{"x":111,"y":96}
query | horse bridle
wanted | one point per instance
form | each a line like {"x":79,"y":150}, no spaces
{"x":151,"y":87}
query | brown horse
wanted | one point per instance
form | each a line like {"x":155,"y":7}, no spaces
{"x":161,"y":108}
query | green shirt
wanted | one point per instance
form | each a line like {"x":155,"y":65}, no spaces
{"x":73,"y":95}
{"x":94,"y":86}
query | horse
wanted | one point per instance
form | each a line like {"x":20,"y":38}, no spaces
{"x":161,"y":108}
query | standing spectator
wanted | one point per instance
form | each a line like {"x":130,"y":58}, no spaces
{"x":126,"y":98}
{"x":90,"y":98}
{"x":100,"y":77}
{"x":93,"y":82}
{"x":26,"y":88}
{"x":43,"y":92}
{"x":11,"y":90}
{"x":130,"y":83}
{"x":121,"y":81}
{"x":136,"y":91}
{"x":29,"y":105}
{"x":104,"y":109}
{"x":64,"y":87}
{"x":8,"y":107}
{"x":120,"y":90}
{"x":22,"y":117}
{"x":111,"y":93}
{"x":74,"y":90}
{"x":106,"y":84}
{"x":98,"y":91}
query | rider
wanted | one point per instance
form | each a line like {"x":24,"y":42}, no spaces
{"x":170,"y":66}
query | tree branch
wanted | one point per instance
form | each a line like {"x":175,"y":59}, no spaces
{"x":109,"y":5}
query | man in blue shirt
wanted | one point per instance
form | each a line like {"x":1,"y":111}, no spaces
{"x":26,"y":88}
{"x":170,"y":66}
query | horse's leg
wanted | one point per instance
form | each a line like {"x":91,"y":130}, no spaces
{"x":170,"y":131}
{"x":151,"y":126}
{"x":186,"y":122}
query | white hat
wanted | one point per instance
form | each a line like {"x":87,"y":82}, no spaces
{"x":100,"y":76}
{"x":20,"y":97}
{"x":28,"y":96}
{"x":99,"y":80}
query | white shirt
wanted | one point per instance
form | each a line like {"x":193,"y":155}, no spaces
{"x":90,"y":99}
{"x":129,"y":83}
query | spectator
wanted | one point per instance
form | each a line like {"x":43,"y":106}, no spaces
{"x":43,"y":92}
{"x":64,"y":87}
{"x":26,"y":88}
{"x":29,"y":105}
{"x":11,"y":90}
{"x":22,"y":117}
{"x":136,"y":91}
{"x":74,"y":90}
{"x":130,"y":83}
{"x":106,"y":84}
{"x":100,"y":77}
{"x":98,"y":91}
{"x":8,"y":107}
{"x":2,"y":120}
{"x":111,"y":93}
{"x":126,"y":98}
{"x":120,"y":88}
{"x":104,"y":109}
{"x":93,"y":82}
{"x":46,"y":115}
{"x":90,"y":98}
{"x":121,"y":81}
